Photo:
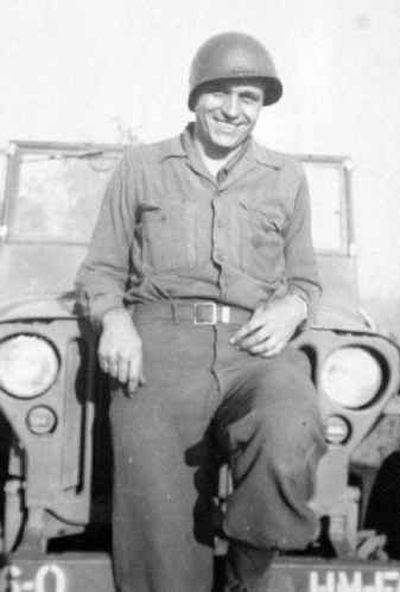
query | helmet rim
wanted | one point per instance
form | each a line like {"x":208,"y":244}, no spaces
{"x":233,"y":56}
{"x":273,"y":89}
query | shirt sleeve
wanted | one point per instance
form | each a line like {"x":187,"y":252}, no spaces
{"x":103,"y":275}
{"x":301,"y":265}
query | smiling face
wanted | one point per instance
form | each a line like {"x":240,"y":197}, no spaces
{"x":226,"y":113}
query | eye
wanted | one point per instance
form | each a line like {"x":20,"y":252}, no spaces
{"x":250,"y":99}
{"x":219,"y":94}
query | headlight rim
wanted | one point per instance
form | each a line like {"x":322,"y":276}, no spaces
{"x":344,"y":421}
{"x":52,"y":413}
{"x":52,"y":346}
{"x":382,"y":364}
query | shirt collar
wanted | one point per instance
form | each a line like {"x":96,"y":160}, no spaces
{"x":173,"y":148}
{"x":189,"y":146}
{"x":265,"y":156}
{"x":183,"y":146}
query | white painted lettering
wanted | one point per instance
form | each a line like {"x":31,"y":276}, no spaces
{"x":342,"y":581}
{"x":53,"y":573}
{"x":392,"y":578}
{"x":13,"y":575}
{"x":317,"y":586}
{"x":349,"y":583}
{"x":49,"y":578}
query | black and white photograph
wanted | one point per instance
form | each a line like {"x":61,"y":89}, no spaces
{"x":199,"y":296}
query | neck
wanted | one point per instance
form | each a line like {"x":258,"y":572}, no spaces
{"x":214,"y":157}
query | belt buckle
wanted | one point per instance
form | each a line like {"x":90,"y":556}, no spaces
{"x":205,"y":313}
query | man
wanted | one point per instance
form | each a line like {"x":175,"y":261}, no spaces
{"x":200,"y":272}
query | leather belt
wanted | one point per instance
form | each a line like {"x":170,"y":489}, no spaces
{"x":198,"y":312}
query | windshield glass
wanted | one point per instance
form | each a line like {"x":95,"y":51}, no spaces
{"x":58,"y":195}
{"x":328,"y":205}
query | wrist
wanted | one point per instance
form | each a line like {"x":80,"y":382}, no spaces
{"x":115,"y":315}
{"x":301,"y":306}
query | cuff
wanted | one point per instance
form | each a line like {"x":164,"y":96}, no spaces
{"x":95,"y":308}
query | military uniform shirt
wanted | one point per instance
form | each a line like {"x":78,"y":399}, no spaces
{"x":168,"y":229}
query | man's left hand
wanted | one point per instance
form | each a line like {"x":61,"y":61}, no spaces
{"x":271,"y":326}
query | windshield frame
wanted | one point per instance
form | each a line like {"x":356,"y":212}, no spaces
{"x":344,"y":166}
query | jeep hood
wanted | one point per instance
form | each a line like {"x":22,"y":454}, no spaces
{"x":37,"y":280}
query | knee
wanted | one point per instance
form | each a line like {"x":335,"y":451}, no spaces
{"x":279,"y":426}
{"x":289,"y":423}
{"x":291,"y":442}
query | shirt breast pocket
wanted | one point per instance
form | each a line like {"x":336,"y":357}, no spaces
{"x":163,"y":238}
{"x":262,"y":242}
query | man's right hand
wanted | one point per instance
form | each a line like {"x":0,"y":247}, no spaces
{"x":120,"y":349}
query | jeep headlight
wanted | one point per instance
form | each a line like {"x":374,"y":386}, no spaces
{"x":28,"y":365}
{"x":352,"y":377}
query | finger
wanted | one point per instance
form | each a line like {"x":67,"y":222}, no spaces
{"x":259,"y":319}
{"x":103,"y":363}
{"x":113,"y":368}
{"x":142,"y":378}
{"x":107,"y":359}
{"x":271,"y":345}
{"x":109,"y":366}
{"x":134,"y":383}
{"x":132,"y":386}
{"x":257,"y":338}
{"x":245,"y":331}
{"x":135,"y":376}
{"x":262,"y":348}
{"x":273,"y":351}
{"x":123,"y":371}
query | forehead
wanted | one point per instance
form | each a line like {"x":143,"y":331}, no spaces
{"x":234,"y":86}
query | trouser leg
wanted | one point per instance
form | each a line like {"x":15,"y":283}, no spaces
{"x":159,"y":454}
{"x":269,"y":424}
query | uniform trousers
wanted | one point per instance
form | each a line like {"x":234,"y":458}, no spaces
{"x":205,"y":400}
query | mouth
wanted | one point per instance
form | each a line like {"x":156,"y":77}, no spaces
{"x":227,"y":127}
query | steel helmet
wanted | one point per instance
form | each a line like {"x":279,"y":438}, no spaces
{"x":233,"y":55}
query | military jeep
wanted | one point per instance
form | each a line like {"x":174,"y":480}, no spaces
{"x":54,"y":448}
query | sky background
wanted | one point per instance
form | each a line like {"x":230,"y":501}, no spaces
{"x":91,"y":70}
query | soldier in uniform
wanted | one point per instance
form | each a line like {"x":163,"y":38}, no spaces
{"x":200,"y":272}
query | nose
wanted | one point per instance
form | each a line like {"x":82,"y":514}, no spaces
{"x":230,"y":106}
